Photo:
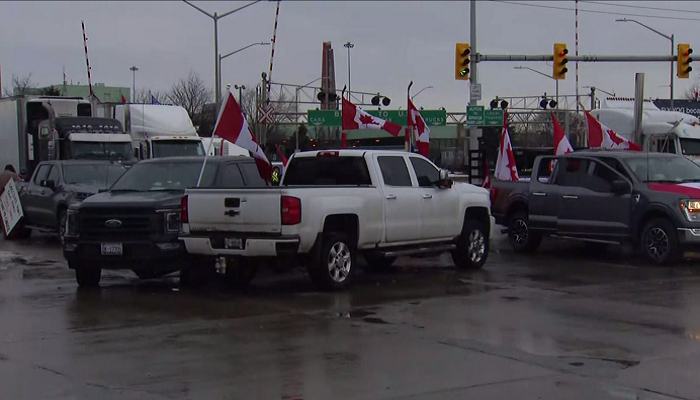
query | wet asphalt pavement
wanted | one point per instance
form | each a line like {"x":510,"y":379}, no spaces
{"x":567,"y":323}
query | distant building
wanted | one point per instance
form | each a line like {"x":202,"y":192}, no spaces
{"x":106,"y":94}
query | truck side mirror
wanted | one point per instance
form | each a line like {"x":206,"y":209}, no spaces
{"x":444,"y":179}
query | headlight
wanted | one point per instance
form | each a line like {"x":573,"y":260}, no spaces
{"x":172,"y":222}
{"x":691,"y":209}
{"x":72,"y":223}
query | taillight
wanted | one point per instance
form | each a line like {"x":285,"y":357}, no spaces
{"x":328,"y":154}
{"x":291,"y":210}
{"x":184,"y":218}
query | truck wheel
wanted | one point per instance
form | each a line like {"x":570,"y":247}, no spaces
{"x":87,"y":277}
{"x":240,"y":271}
{"x":334,"y":266}
{"x":521,"y":238}
{"x":472,"y":246}
{"x":378,"y":262}
{"x":659,"y":242}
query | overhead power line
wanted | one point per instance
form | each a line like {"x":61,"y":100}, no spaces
{"x":602,"y":3}
{"x":596,"y":11}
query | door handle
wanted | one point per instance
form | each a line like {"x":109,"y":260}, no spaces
{"x":391,"y":197}
{"x":539,"y":194}
{"x":427,"y":196}
{"x":566,"y":196}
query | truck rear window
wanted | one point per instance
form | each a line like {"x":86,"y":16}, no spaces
{"x":321,"y":171}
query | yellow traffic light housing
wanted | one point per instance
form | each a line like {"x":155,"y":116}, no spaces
{"x":462,"y":52}
{"x":560,"y":60}
{"x":683,"y":67}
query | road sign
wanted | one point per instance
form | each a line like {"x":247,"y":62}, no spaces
{"x":477,"y":116}
{"x":334,"y":117}
{"x":265,"y":114}
{"x":493,"y":118}
{"x":475,"y":91}
{"x":10,"y":207}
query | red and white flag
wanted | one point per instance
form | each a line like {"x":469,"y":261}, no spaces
{"x":600,"y":135}
{"x":231,"y":125}
{"x":356,"y":118}
{"x":506,"y":170}
{"x":561,"y":143}
{"x":487,"y":175}
{"x":421,"y":131}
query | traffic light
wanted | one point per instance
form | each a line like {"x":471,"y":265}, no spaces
{"x":462,"y":53}
{"x":560,"y":61}
{"x":684,"y":60}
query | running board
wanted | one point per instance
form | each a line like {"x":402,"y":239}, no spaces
{"x":420,"y":250}
{"x":585,"y":239}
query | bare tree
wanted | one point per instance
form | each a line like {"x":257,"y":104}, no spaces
{"x":20,"y":85}
{"x":693,"y":92}
{"x":51,"y":91}
{"x":191,"y":93}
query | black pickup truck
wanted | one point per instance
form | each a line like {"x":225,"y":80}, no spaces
{"x":651,"y":200}
{"x":135,"y":224}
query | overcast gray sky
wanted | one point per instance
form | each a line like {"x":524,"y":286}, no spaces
{"x":395,"y":42}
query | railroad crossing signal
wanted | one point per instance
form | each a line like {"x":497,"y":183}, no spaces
{"x":684,"y":60}
{"x":462,"y":52}
{"x":265,"y":114}
{"x":560,"y":60}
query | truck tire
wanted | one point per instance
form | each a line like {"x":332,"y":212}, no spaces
{"x":87,"y":277}
{"x":472,"y":246}
{"x":240,"y":271}
{"x":333,"y":267}
{"x":521,"y":238}
{"x":659,"y":242}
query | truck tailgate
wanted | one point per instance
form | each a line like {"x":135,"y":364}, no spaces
{"x":255,"y":210}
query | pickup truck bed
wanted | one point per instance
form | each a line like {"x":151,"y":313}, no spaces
{"x":332,"y":205}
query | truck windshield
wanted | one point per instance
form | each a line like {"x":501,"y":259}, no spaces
{"x":177,"y":148}
{"x":327,"y":170}
{"x":178,"y":176}
{"x":690,"y":147}
{"x":101,"y":150}
{"x":664,"y":169}
{"x":101,"y":176}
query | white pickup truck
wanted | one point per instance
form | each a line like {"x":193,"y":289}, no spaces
{"x":332,"y":205}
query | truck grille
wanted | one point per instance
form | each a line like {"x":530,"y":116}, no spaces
{"x":118,"y":223}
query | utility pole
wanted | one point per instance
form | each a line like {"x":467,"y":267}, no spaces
{"x":133,"y":96}
{"x":349,"y":46}
{"x":474,"y":132}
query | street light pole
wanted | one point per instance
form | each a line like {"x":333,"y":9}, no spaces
{"x":220,"y":57}
{"x":348,"y":46}
{"x":672,"y":38}
{"x":556,"y":85}
{"x":133,"y":70}
{"x":419,"y":92}
{"x":216,"y":17}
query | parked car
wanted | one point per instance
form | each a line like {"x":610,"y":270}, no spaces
{"x":56,"y":185}
{"x":651,"y":200}
{"x":135,"y":224}
{"x":332,"y":205}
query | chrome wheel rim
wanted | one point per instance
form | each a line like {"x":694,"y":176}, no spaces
{"x":657,"y":243}
{"x":339,"y":262}
{"x":519,"y":231}
{"x":477,"y":246}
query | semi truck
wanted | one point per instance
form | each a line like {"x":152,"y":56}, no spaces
{"x":158,"y":130}
{"x":662,"y":131}
{"x":42,"y":128}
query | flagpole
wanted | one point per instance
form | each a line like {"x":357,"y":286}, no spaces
{"x":409,"y":127}
{"x":211,"y":142}
{"x":344,"y":136}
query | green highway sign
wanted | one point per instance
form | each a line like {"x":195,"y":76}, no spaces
{"x":478,"y":116}
{"x":334,"y":117}
{"x":475,"y":115}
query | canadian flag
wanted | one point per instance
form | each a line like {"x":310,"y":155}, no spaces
{"x":420,"y":129}
{"x":600,"y":135}
{"x":561,"y":143}
{"x":506,"y":170}
{"x":123,"y":99}
{"x":356,"y":118}
{"x":232,"y":126}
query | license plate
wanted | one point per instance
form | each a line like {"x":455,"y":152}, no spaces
{"x":111,"y":249}
{"x":233,"y":243}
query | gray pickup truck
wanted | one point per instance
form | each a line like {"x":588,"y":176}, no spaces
{"x":651,"y":200}
{"x":135,"y":224}
{"x":55,"y":185}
